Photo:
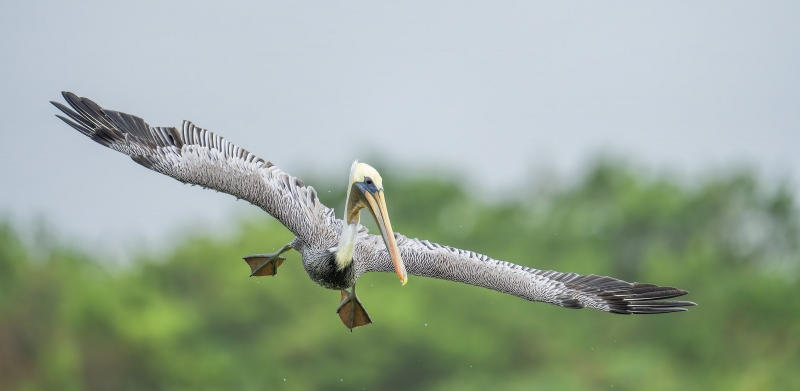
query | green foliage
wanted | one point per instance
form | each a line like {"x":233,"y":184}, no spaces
{"x":192,"y":319}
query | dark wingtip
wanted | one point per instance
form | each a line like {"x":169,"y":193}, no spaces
{"x":655,"y":310}
{"x":646,"y":299}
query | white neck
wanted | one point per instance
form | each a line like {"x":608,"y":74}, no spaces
{"x":347,"y":241}
{"x":347,"y":245}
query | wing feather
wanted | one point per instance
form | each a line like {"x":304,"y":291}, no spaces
{"x":570,"y":290}
{"x":200,"y":157}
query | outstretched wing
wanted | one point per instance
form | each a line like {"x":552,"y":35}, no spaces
{"x":197,"y":156}
{"x":570,"y":290}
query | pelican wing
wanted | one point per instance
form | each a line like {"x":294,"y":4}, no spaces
{"x":200,"y":157}
{"x":570,"y":290}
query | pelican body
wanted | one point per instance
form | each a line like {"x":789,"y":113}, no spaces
{"x":336,"y":252}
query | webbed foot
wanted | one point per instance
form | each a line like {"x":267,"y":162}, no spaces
{"x":266,"y":264}
{"x":351,"y":311}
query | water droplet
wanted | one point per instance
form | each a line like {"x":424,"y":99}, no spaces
{"x":426,"y":325}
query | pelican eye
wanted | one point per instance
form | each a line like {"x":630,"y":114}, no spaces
{"x":368,"y":180}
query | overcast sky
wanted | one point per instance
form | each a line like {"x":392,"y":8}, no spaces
{"x":490,"y":91}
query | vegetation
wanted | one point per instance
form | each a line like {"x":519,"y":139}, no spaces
{"x":191,"y":319}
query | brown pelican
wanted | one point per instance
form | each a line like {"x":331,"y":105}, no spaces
{"x":337,"y":252}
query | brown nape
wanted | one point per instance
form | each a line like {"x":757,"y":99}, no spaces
{"x":269,"y":269}
{"x":354,"y":206}
{"x":353,"y":317}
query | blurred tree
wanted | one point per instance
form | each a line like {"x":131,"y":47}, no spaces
{"x":191,"y":319}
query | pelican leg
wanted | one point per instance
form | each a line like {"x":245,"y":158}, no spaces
{"x":351,"y":311}
{"x":266,"y":264}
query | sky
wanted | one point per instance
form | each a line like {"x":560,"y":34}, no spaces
{"x":489,"y":92}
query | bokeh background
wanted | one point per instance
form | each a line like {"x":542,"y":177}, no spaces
{"x":653,"y":142}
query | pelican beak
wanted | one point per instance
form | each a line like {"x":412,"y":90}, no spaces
{"x":377,"y":206}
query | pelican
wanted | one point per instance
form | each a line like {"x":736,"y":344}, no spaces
{"x":336,"y":252}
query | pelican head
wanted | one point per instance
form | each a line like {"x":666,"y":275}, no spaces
{"x":365,"y":191}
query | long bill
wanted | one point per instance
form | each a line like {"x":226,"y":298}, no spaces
{"x":377,"y":205}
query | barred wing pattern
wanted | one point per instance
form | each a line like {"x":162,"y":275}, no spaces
{"x":569,"y":290}
{"x":200,"y":157}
